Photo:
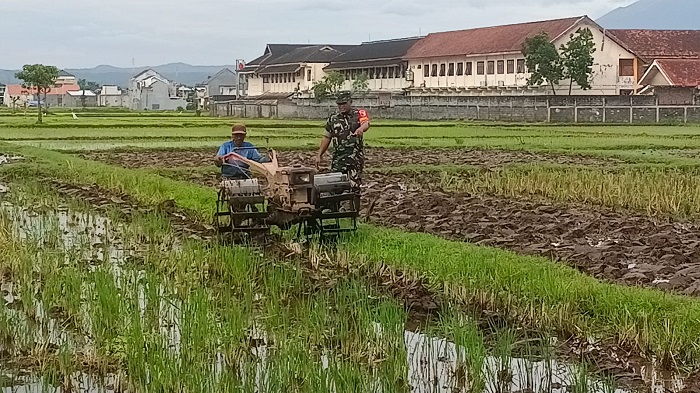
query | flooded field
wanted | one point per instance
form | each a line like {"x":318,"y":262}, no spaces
{"x":460,"y":278}
{"x":96,"y":301}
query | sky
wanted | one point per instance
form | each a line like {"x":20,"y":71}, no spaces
{"x":122,"y":33}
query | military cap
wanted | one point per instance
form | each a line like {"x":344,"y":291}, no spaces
{"x":342,"y":97}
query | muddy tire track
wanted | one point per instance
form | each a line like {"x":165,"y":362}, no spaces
{"x":376,"y":158}
{"x":610,"y":245}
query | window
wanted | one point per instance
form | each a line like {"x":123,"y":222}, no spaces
{"x":294,"y":78}
{"x":460,"y":68}
{"x":626,"y":67}
{"x":442,"y":69}
{"x":285,"y":78}
{"x":469,"y":70}
{"x":308,"y":75}
{"x":489,"y":67}
{"x":266,"y":78}
{"x":451,"y":69}
{"x":521,"y":66}
{"x":511,"y":66}
{"x":371,"y":73}
{"x":385,"y":72}
{"x":155,"y":107}
{"x":499,"y":67}
{"x":434,"y":70}
{"x":480,"y":68}
{"x":426,"y":71}
{"x":391,"y":72}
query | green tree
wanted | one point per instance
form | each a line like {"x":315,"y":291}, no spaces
{"x":88,"y":85}
{"x":543,"y":61}
{"x":40,"y":77}
{"x":577,"y":58}
{"x":329,"y":85}
{"x":361,"y":84}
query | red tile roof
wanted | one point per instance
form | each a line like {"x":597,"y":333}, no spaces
{"x":486,"y":40}
{"x":681,"y":72}
{"x":656,"y":44}
{"x":16,"y":90}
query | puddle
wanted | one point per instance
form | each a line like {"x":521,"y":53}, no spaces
{"x":88,"y":236}
{"x":9,"y":159}
{"x":79,"y":382}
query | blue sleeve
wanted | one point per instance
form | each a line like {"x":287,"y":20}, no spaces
{"x":222,"y":150}
{"x":253,"y":153}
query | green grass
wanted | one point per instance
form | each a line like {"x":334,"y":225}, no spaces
{"x":532,"y":291}
{"x":166,"y":319}
{"x":651,"y":189}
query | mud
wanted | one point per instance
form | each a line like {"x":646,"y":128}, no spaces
{"x":102,"y":200}
{"x":376,"y":158}
{"x":610,"y":245}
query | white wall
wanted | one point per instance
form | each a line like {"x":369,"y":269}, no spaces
{"x":605,"y":79}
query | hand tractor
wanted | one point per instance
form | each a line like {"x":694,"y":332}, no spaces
{"x":320,"y":204}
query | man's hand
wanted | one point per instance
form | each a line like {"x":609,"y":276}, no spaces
{"x":359,"y":132}
{"x":318,"y":161}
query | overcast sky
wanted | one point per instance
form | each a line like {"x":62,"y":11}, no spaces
{"x":87,"y":33}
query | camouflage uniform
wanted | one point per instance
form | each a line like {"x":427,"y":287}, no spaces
{"x":348,"y":150}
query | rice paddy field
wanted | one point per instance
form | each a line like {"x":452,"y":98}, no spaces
{"x":490,"y":258}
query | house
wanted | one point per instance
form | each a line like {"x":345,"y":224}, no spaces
{"x":220,"y":87}
{"x":18,"y":96}
{"x":284,"y":69}
{"x":667,"y":62}
{"x":380,"y":61}
{"x":80,"y":98}
{"x":64,"y":78}
{"x":3,"y":88}
{"x":111,"y":95}
{"x":151,"y":91}
{"x":489,"y":60}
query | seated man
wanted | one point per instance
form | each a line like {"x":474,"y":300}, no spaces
{"x":232,"y":168}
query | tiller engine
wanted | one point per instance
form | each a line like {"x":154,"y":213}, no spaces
{"x":320,"y":204}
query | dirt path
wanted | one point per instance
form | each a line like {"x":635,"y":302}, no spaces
{"x":619,"y":247}
{"x":376,"y":158}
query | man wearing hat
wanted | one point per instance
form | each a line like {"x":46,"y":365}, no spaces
{"x":237,"y":169}
{"x":345,"y":129}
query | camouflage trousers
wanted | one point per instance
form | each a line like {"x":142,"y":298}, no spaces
{"x":353,"y":169}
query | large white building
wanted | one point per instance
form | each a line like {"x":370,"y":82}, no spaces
{"x":490,"y":61}
{"x":284,"y":70}
{"x":481,"y":61}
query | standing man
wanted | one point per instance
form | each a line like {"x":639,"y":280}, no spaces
{"x":346,"y":128}
{"x":237,"y":169}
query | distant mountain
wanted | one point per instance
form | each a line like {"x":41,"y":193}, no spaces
{"x":655,"y":14}
{"x":108,"y":75}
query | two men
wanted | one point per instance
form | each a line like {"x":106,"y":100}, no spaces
{"x":231,"y":167}
{"x":345,"y":129}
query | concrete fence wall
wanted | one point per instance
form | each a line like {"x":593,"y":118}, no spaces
{"x":554,"y":109}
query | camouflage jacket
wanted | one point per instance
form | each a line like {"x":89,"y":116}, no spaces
{"x":347,"y":148}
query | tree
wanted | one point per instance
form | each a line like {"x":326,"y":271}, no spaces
{"x":329,"y":85}
{"x":39,"y":77}
{"x":543,"y":61}
{"x":361,"y":84}
{"x":577,"y":58}
{"x":88,"y":85}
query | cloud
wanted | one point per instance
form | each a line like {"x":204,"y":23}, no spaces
{"x":84,"y":33}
